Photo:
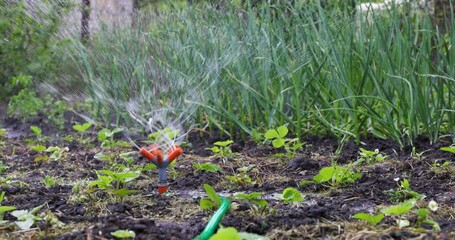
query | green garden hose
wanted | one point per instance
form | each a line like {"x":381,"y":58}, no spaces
{"x":212,"y":225}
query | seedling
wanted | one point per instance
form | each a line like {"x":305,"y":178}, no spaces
{"x":4,"y":209}
{"x":115,"y":182}
{"x":335,"y":175}
{"x":124,"y":234}
{"x":82,"y":128}
{"x":106,"y":137}
{"x":242,"y":177}
{"x":26,"y":218}
{"x":368,"y":157}
{"x":290,"y":195}
{"x":206,"y":167}
{"x":36,"y":131}
{"x":254,"y":200}
{"x":2,"y":136}
{"x":222,"y":149}
{"x":212,"y":201}
{"x":279,"y":140}
{"x":372,"y":219}
{"x":56,"y":152}
{"x":404,"y":192}
{"x":164,"y":134}
{"x":48,"y":181}
{"x":226,"y":233}
{"x":450,"y":149}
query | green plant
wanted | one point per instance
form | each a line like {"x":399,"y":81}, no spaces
{"x":25,"y":104}
{"x":115,"y":182}
{"x":335,"y":175}
{"x":254,"y":200}
{"x":450,"y":149}
{"x":404,"y":192}
{"x":242,"y":176}
{"x":368,"y":157}
{"x":56,"y":152}
{"x":290,"y":195}
{"x":124,"y":234}
{"x":82,"y":128}
{"x":26,"y":218}
{"x":207,"y":167}
{"x":222,"y":149}
{"x":372,"y":219}
{"x":4,"y":209}
{"x":36,"y":131}
{"x":212,"y":201}
{"x":226,"y":233}
{"x":279,"y":140}
{"x":49,"y":181}
{"x":106,"y":137}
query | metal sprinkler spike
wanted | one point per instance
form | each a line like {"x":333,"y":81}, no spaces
{"x":155,"y":155}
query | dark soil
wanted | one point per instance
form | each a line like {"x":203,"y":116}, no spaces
{"x":326,"y":212}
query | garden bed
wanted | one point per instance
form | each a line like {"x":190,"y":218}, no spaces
{"x":325,"y":212}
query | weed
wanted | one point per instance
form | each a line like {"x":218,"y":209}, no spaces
{"x":450,"y":149}
{"x":242,"y":178}
{"x":372,"y":219}
{"x":57,"y":152}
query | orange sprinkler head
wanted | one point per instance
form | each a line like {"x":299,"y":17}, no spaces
{"x":174,"y":152}
{"x":162,"y":189}
{"x":159,"y":154}
{"x":144,"y":152}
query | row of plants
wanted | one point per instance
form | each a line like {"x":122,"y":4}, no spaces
{"x":316,"y":69}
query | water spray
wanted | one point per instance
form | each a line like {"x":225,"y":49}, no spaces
{"x":155,"y":155}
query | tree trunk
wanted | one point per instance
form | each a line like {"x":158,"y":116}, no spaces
{"x":85,"y":28}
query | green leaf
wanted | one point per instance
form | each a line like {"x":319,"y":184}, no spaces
{"x":271,"y":134}
{"x":226,"y":233}
{"x":278,"y":142}
{"x":149,"y":167}
{"x":448,"y":149}
{"x":291,"y":195}
{"x":39,"y":148}
{"x":124,"y":234}
{"x":206,"y":204}
{"x":82,"y":128}
{"x":212,"y":195}
{"x":249,"y":196}
{"x":2,"y":131}
{"x":400,"y":208}
{"x":36,"y":130}
{"x":123,"y":192}
{"x":282,"y":131}
{"x":208,"y":167}
{"x":325,"y":174}
{"x":372,"y":219}
{"x":223,"y":143}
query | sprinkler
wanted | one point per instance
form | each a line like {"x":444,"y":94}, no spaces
{"x":155,"y":155}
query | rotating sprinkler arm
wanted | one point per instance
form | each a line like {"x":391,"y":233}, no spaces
{"x":155,"y":155}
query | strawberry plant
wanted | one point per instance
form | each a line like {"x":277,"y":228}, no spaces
{"x":279,"y":140}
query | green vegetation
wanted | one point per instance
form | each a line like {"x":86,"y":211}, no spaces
{"x":222,"y":149}
{"x":335,"y":176}
{"x":212,"y":201}
{"x":291,"y":195}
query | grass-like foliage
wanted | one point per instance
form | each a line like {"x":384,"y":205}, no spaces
{"x":318,"y":69}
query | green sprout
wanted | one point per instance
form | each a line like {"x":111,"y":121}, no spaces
{"x":335,"y":175}
{"x":404,"y":192}
{"x":115,"y":182}
{"x":4,"y":209}
{"x":106,"y":137}
{"x":372,"y":219}
{"x":124,"y":234}
{"x":212,"y":201}
{"x":290,"y":195}
{"x":279,"y":140}
{"x":254,"y":200}
{"x":368,"y":157}
{"x":207,"y":167}
{"x":222,"y":149}
{"x":82,"y":128}
{"x":26,"y":218}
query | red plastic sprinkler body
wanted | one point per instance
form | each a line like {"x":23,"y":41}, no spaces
{"x":155,"y":155}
